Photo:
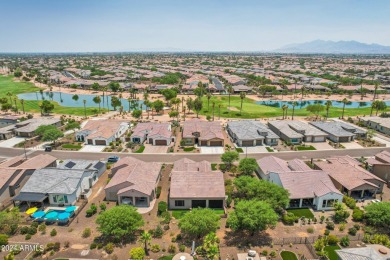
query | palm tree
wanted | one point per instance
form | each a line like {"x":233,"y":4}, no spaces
{"x":328,"y":104}
{"x":375,"y":89}
{"x":22,"y":102}
{"x":75,"y":97}
{"x":219,"y":111}
{"x":303,"y":91}
{"x":9,"y":94}
{"x":208,"y":101}
{"x":130,"y":101}
{"x":344,"y":101}
{"x":97,"y":100}
{"x":213,"y":106}
{"x":294,"y":104}
{"x":242,"y":96}
{"x":85,"y":109}
{"x":284,"y":108}
{"x":16,"y":106}
{"x":184,"y":113}
{"x":380,"y":106}
{"x":230,"y":91}
{"x":145,"y":238}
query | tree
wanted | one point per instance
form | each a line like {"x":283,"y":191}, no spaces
{"x":136,"y":113}
{"x":85,"y":108}
{"x":43,"y":128}
{"x":208,"y":101}
{"x":230,"y":91}
{"x":9,"y":221}
{"x":328,"y":105}
{"x":158,"y":105}
{"x":173,"y":114}
{"x":95,"y":86}
{"x":9,"y":95}
{"x":97,"y":100}
{"x":242,"y":97}
{"x":168,"y":94}
{"x":6,"y":106}
{"x":145,"y":238}
{"x":114,"y":86}
{"x":315,"y":109}
{"x":16,"y":106}
{"x":137,"y":253}
{"x":198,"y":105}
{"x":253,"y":216}
{"x":378,"y":214}
{"x":75,"y":97}
{"x":248,"y":188}
{"x":22,"y":103}
{"x":52,"y":135}
{"x":380,"y":106}
{"x":18,"y":73}
{"x":46,"y":106}
{"x":247,"y":166}
{"x":119,"y":222}
{"x":284,"y":109}
{"x":72,"y":125}
{"x":341,"y":214}
{"x":345,"y":102}
{"x":210,"y":246}
{"x":199,"y":222}
{"x":294,"y":104}
{"x":115,"y":102}
{"x":190,"y":104}
{"x":229,"y":157}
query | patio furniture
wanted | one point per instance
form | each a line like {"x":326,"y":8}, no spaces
{"x":31,"y":210}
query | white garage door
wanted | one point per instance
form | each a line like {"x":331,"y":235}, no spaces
{"x":319,"y":139}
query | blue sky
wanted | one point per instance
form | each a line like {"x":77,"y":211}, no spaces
{"x":201,"y":25}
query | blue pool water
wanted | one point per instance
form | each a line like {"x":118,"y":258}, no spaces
{"x":66,"y":100}
{"x":305,"y":103}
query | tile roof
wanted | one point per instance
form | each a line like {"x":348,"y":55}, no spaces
{"x":296,"y":129}
{"x":250,"y":129}
{"x":337,"y":128}
{"x":152,"y":129}
{"x":207,"y":130}
{"x":102,"y":128}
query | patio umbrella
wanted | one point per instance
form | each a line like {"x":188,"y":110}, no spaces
{"x":70,"y":209}
{"x":31,"y":210}
{"x":63,"y":216}
{"x":38,"y":214}
{"x":51,"y":215}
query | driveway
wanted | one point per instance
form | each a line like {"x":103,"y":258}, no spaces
{"x":352,"y":145}
{"x":155,"y":148}
{"x":255,"y":149}
{"x":92,"y":148}
{"x":321,"y":146}
{"x":12,"y":141}
{"x":212,"y":149}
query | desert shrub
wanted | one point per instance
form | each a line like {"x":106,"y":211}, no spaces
{"x":162,"y":207}
{"x":350,"y":202}
{"x":137,"y":253}
{"x":158,"y":232}
{"x":326,"y":232}
{"x":310,"y":230}
{"x":109,"y":248}
{"x":330,"y":225}
{"x":93,"y":246}
{"x":53,"y":232}
{"x":264,"y":253}
{"x":182,"y":248}
{"x":86,"y":233}
{"x":332,"y":240}
{"x":172,"y":249}
{"x":28,"y":237}
{"x":344,"y":241}
{"x":155,"y":248}
{"x":289,"y":218}
{"x":352,"y":231}
{"x":357,"y":214}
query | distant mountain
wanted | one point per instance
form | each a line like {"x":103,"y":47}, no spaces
{"x":332,"y":47}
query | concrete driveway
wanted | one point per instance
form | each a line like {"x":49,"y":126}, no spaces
{"x":12,"y":141}
{"x":155,"y":148}
{"x":92,"y":148}
{"x":321,"y":146}
{"x":255,"y":149}
{"x":212,"y":149}
{"x":352,"y":145}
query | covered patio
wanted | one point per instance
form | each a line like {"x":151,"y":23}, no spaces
{"x":35,"y":199}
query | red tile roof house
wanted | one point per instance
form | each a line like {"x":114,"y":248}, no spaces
{"x":202,"y":133}
{"x":101,"y":132}
{"x":307,"y":187}
{"x":194,"y":184}
{"x":133,"y":182}
{"x":153,"y":133}
{"x":15,"y":172}
{"x":380,"y":165}
{"x":350,"y":178}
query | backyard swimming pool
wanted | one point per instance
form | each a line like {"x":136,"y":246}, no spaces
{"x":305,"y":103}
{"x":66,"y":100}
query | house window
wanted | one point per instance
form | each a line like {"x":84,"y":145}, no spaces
{"x":179,"y":203}
{"x":60,"y":199}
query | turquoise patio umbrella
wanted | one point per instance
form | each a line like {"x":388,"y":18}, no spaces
{"x":38,"y":214}
{"x":70,"y":209}
{"x":64,"y":216}
{"x":51,"y":215}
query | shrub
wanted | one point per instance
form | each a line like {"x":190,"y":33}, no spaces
{"x":289,"y":218}
{"x":352,"y":231}
{"x":3,"y":240}
{"x":57,"y":246}
{"x":330,"y":225}
{"x":357,"y":214}
{"x":350,"y":202}
{"x":155,"y":248}
{"x":103,"y":206}
{"x":264,"y":253}
{"x":137,"y":253}
{"x":158,"y":232}
{"x":109,"y":248}
{"x":89,"y":212}
{"x":158,"y":192}
{"x":182,"y":248}
{"x":273,"y":254}
{"x":34,"y":225}
{"x":357,"y":226}
{"x":42,"y":228}
{"x":222,"y":167}
{"x":32,"y":230}
{"x":172,"y":249}
{"x":66,"y":244}
{"x":93,"y":246}
{"x":332,"y":240}
{"x":344,"y":241}
{"x":162,"y":207}
{"x":310,"y":230}
{"x":326,"y":232}
{"x":28,"y":237}
{"x":24,"y":230}
{"x":53,"y":232}
{"x":167,"y":217}
{"x":86,"y":233}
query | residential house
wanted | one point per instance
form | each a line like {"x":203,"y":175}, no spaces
{"x":349,"y":177}
{"x":101,"y":132}
{"x":194,"y":185}
{"x":154,"y":133}
{"x":339,"y":131}
{"x":379,"y":124}
{"x":251,"y":133}
{"x":202,"y":133}
{"x":296,"y":132}
{"x":133,"y":182}
{"x":380,"y":165}
{"x":99,"y":166}
{"x":27,"y":128}
{"x":368,"y":252}
{"x":9,"y":120}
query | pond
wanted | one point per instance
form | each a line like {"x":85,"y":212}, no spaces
{"x":305,"y":103}
{"x":66,"y":100}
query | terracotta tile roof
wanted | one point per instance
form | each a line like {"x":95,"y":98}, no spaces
{"x":152,"y":129}
{"x":207,"y":130}
{"x":102,"y":128}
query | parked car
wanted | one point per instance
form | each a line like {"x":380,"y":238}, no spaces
{"x":113,"y":158}
{"x":48,"y":148}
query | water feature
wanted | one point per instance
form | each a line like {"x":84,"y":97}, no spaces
{"x":66,"y":100}
{"x":305,"y":103}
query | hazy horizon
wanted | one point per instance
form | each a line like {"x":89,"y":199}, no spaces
{"x":44,"y":26}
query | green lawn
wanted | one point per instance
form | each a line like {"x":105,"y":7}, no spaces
{"x":71,"y":146}
{"x":167,"y":257}
{"x":288,"y":255}
{"x":141,"y":149}
{"x":331,"y":252}
{"x":188,"y":149}
{"x":239,"y":150}
{"x":179,"y":213}
{"x":305,"y":148}
{"x":269,"y":149}
{"x":302,"y":213}
{"x":251,"y":110}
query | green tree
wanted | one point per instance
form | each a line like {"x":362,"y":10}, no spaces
{"x":75,"y":97}
{"x":18,"y":73}
{"x":9,"y":95}
{"x":114,"y":86}
{"x":253,"y":216}
{"x":95,"y":86}
{"x":380,"y":106}
{"x":210,"y":246}
{"x":145,"y":238}
{"x":294,"y":104}
{"x":190,"y":104}
{"x":247,"y":166}
{"x":44,"y":128}
{"x":315,"y":109}
{"x":22,"y":103}
{"x":248,"y":188}
{"x":115,"y":102}
{"x":198,"y":105}
{"x":119,"y":222}
{"x":168,"y":94}
{"x":345,"y":102}
{"x":158,"y":105}
{"x":328,"y":105}
{"x":340,"y":214}
{"x":137,"y":253}
{"x":85,"y":108}
{"x":9,"y":221}
{"x":208,"y":101}
{"x":378,"y":214}
{"x":230,"y":91}
{"x":72,"y":125}
{"x":97,"y":100}
{"x":199,"y":222}
{"x":46,"y":106}
{"x":229,"y":158}
{"x":52,"y":135}
{"x":136,"y":113}
{"x":242,"y":97}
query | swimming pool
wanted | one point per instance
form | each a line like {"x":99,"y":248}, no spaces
{"x":305,"y":103}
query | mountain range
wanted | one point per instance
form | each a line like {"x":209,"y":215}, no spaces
{"x":334,"y":47}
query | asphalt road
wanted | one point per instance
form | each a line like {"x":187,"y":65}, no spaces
{"x":215,"y":158}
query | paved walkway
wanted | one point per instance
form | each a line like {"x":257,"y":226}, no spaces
{"x":92,"y":148}
{"x":12,"y":141}
{"x":211,"y":150}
